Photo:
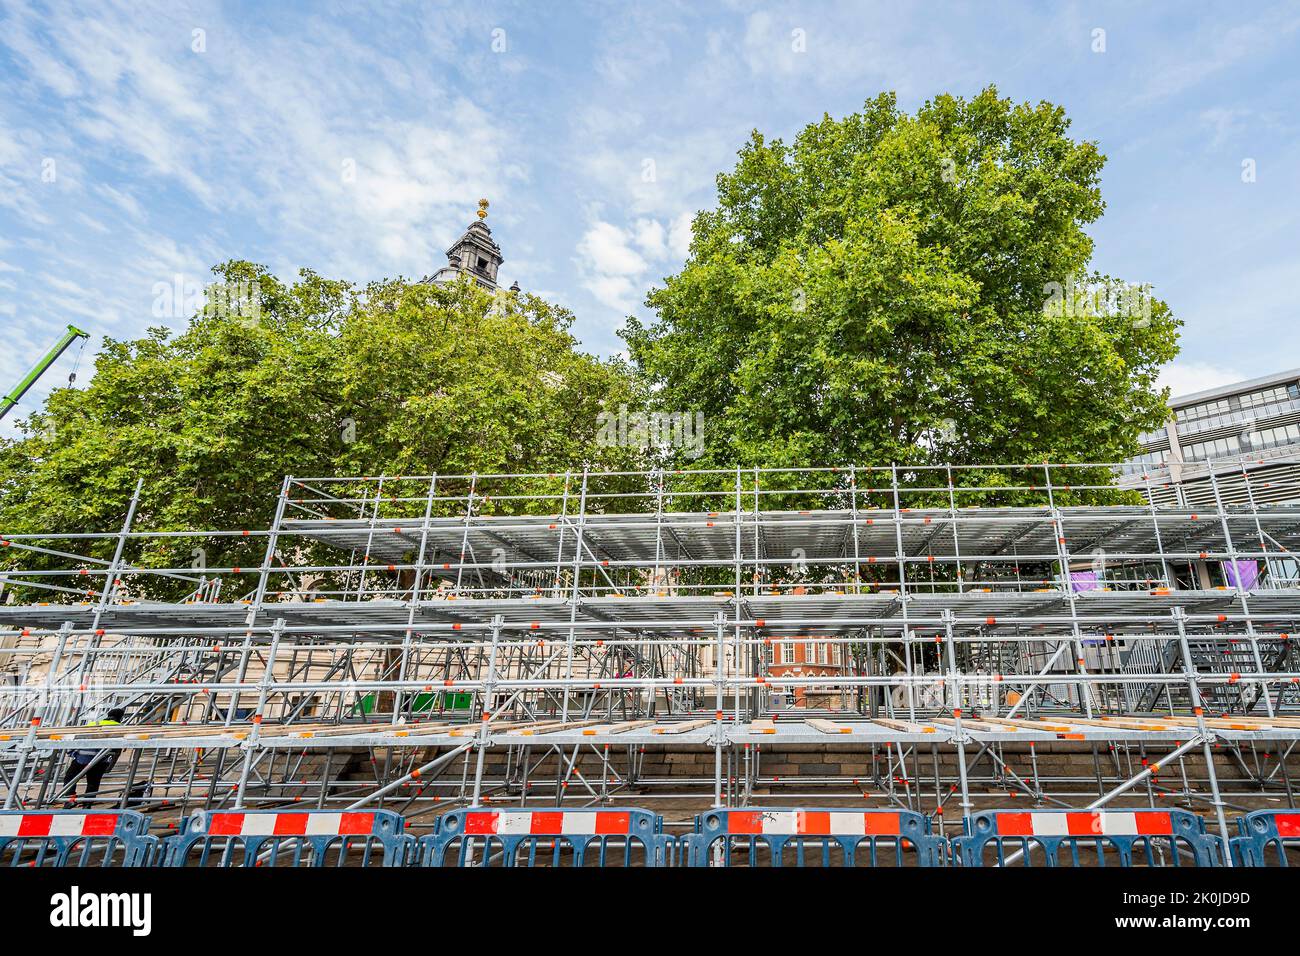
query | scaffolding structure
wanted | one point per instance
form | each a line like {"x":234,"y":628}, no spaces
{"x":910,"y":637}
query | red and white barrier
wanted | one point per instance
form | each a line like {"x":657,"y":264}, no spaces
{"x":1288,"y":824}
{"x":292,"y":824}
{"x":847,"y":823}
{"x":547,"y":822}
{"x":1086,"y":823}
{"x":57,"y":824}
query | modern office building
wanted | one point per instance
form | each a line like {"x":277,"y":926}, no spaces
{"x":1238,"y":442}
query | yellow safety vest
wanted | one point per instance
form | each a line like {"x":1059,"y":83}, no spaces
{"x":85,"y":756}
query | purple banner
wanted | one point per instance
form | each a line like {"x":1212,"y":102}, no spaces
{"x":1083,"y":581}
{"x":1244,"y":575}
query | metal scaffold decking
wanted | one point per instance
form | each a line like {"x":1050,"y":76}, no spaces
{"x":899,"y":637}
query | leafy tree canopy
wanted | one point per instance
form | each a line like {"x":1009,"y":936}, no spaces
{"x":313,"y":378}
{"x":894,"y":288}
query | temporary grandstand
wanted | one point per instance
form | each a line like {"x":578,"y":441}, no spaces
{"x":737,"y":666}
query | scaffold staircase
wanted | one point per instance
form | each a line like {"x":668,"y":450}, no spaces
{"x":1208,"y":656}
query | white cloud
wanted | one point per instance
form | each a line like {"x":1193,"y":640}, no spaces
{"x":122,"y":199}
{"x":650,"y":237}
{"x":679,"y":236}
{"x":597,"y":155}
{"x":615,"y":264}
{"x":607,"y":249}
{"x":1256,"y":124}
{"x":1218,"y":50}
{"x":614,"y":292}
{"x":40,"y":63}
{"x":1184,"y":378}
{"x":608,"y":264}
{"x":1221,"y":121}
{"x":261,"y":128}
{"x":769,"y":44}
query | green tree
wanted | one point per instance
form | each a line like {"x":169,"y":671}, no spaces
{"x":313,"y":378}
{"x":895,"y":288}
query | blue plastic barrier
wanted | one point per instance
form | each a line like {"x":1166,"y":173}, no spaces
{"x":1266,"y":836}
{"x":1130,"y":837}
{"x":554,"y":837}
{"x":293,"y":838}
{"x":782,"y":837}
{"x":76,"y":838}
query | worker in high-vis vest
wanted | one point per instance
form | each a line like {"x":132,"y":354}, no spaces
{"x":86,"y":759}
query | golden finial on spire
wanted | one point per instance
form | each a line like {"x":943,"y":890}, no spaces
{"x":482,"y":208}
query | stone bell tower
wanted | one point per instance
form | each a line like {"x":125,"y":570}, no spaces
{"x":474,"y":254}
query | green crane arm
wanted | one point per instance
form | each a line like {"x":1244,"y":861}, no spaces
{"x":52,"y":356}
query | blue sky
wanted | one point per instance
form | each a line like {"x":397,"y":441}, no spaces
{"x":134,"y":149}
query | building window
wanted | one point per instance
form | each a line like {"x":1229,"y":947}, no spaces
{"x":1264,"y":397}
{"x":1205,"y":409}
{"x":1272,"y":437}
{"x":1217,"y":448}
{"x":1142,"y":463}
{"x":787,"y":653}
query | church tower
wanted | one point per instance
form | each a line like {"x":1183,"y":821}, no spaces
{"x":474,"y":254}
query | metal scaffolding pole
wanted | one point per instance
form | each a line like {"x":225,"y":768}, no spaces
{"x":608,"y":594}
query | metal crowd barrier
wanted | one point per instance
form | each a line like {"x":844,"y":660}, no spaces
{"x":292,"y":838}
{"x":760,"y":838}
{"x":548,"y":838}
{"x":753,"y":837}
{"x":1056,"y":838}
{"x":76,"y":838}
{"x":1267,"y":837}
